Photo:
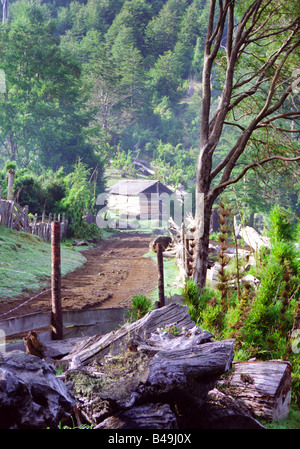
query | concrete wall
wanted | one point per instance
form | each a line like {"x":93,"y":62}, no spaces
{"x":77,"y":323}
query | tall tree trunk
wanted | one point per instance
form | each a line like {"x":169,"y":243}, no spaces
{"x":203,"y":213}
{"x":202,"y":243}
{"x":12,"y":147}
{"x":5,"y":10}
{"x":256,"y":23}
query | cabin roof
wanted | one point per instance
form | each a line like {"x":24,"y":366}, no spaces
{"x":135,"y":187}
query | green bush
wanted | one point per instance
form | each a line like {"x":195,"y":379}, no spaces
{"x":262,"y":321}
{"x":195,"y":300}
{"x":140,"y":306}
{"x":29,"y":191}
{"x":79,"y":199}
{"x":282,"y":226}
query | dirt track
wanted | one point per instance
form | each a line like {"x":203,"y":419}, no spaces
{"x":115,"y":271}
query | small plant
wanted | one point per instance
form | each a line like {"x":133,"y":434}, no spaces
{"x":81,"y":426}
{"x":191,"y":293}
{"x":172,"y":329}
{"x":195,"y":299}
{"x":140,"y":306}
{"x":282,"y":227}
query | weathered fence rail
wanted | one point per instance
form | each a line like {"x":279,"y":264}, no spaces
{"x":43,"y":228}
{"x":13,"y":216}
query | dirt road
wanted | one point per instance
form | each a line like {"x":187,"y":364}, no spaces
{"x":115,"y":271}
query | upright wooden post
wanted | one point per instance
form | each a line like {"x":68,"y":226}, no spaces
{"x":160,"y":264}
{"x":56,"y":313}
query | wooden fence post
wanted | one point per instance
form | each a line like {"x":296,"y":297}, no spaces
{"x":56,"y":313}
{"x":160,"y":264}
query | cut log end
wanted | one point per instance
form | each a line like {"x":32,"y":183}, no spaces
{"x":263,"y":387}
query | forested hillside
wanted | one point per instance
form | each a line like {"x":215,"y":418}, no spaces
{"x":106,"y":82}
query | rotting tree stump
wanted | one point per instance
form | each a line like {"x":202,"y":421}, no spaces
{"x":163,"y":368}
{"x":264,"y":387}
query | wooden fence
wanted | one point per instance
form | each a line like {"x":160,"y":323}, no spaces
{"x":43,"y":229}
{"x":13,"y":216}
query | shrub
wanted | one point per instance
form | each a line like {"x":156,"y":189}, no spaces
{"x":140,"y":306}
{"x":29,"y":191}
{"x":79,"y":199}
{"x":261,"y":321}
{"x":195,"y":300}
{"x":282,"y":226}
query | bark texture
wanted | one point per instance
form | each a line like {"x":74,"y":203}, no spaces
{"x":158,"y":374}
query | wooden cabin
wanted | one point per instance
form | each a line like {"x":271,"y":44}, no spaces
{"x":139,"y":199}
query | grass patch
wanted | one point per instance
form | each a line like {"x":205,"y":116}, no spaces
{"x":171,"y":277}
{"x":292,"y":421}
{"x":25,"y":262}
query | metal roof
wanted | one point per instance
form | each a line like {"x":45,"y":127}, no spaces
{"x":135,"y":186}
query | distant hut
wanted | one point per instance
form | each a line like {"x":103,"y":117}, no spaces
{"x":141,"y":199}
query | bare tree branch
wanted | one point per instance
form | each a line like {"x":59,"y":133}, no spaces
{"x":270,"y":35}
{"x":220,"y":187}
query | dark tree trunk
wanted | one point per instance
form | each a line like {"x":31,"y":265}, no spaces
{"x":203,"y":220}
{"x":12,"y":147}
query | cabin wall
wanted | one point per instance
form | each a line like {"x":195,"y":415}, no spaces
{"x":128,"y":205}
{"x":144,"y":206}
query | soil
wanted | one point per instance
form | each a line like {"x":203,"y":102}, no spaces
{"x":114,"y":272}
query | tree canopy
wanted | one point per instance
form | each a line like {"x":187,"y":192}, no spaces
{"x":95,"y":78}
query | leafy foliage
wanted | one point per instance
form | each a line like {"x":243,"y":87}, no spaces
{"x":79,"y":200}
{"x":140,"y":306}
{"x":84,"y":76}
{"x":263,"y":320}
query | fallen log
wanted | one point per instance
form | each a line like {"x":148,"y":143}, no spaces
{"x":148,"y":416}
{"x":221,"y":411}
{"x":115,"y":341}
{"x":117,"y":383}
{"x":264,"y":387}
{"x":31,"y":395}
{"x":252,"y":238}
{"x":156,"y":359}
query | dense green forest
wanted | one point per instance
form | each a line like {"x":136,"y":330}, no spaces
{"x":104,"y":82}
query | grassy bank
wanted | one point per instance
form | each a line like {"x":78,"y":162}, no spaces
{"x":25,"y":262}
{"x":171,"y":274}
